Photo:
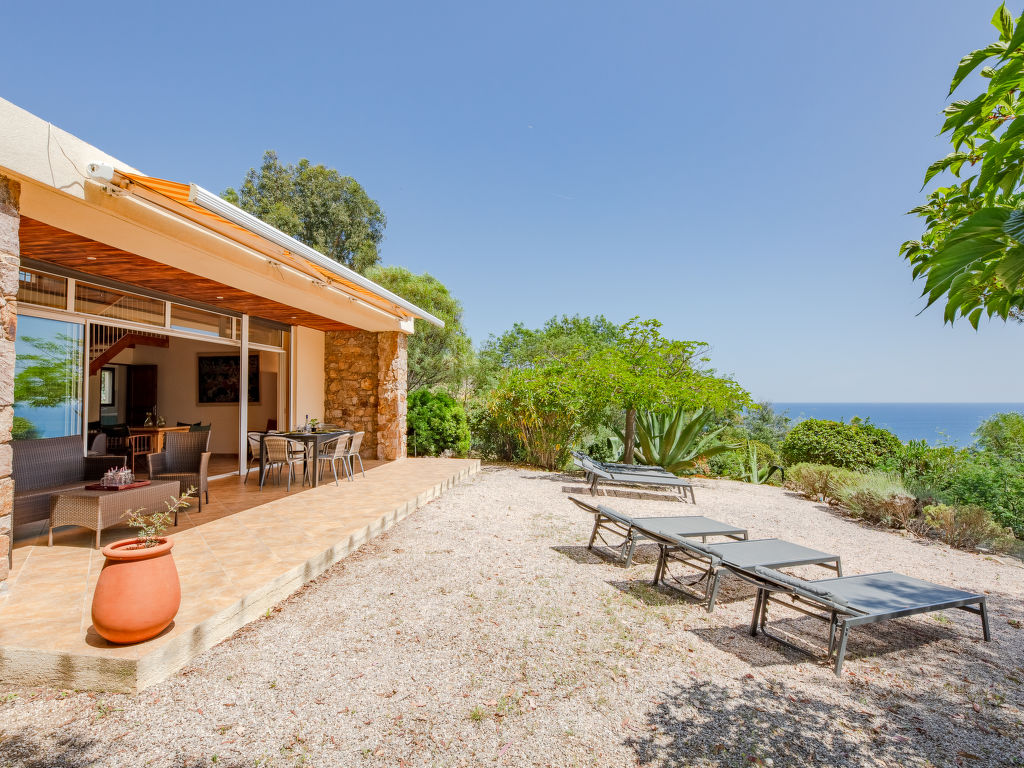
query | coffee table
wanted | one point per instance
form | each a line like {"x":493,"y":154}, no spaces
{"x":98,"y":510}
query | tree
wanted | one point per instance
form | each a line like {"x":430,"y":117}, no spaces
{"x":765,"y":425}
{"x":316,"y":205}
{"x":438,"y":357}
{"x":972,"y":250}
{"x":560,"y":338}
{"x":1003,"y":435}
{"x":643,"y":370}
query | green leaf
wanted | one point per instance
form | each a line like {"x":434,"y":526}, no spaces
{"x":1014,"y":225}
{"x":1015,"y":42}
{"x":1002,"y":20}
{"x":971,"y":61}
{"x":1010,"y":268}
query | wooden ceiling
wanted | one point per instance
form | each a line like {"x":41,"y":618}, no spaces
{"x":45,"y":243}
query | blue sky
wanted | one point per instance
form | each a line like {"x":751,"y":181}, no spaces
{"x":739,"y":171}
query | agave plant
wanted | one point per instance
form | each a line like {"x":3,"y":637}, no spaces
{"x":751,"y":471}
{"x":676,"y":441}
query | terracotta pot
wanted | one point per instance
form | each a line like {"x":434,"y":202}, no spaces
{"x":138,"y":592}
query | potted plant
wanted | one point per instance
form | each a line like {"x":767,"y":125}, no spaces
{"x":138,"y":591}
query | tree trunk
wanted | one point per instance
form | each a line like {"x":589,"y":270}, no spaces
{"x":630,"y":434}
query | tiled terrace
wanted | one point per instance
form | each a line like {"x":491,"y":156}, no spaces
{"x":243,"y":553}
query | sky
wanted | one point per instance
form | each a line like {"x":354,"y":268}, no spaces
{"x":739,"y":171}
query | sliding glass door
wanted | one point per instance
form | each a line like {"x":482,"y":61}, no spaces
{"x":47,"y":378}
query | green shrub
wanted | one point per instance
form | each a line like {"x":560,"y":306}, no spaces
{"x":815,"y":481}
{"x":489,"y":439}
{"x":548,"y":410}
{"x":437,"y":424}
{"x":848,"y":446}
{"x":962,"y":477}
{"x":877,"y":497}
{"x":967,"y":527}
{"x":732,"y":463}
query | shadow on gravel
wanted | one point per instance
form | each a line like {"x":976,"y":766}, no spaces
{"x":605,"y":555}
{"x":623,"y":493}
{"x":707,"y":723}
{"x":580,"y":554}
{"x":871,"y":641}
{"x":24,"y":750}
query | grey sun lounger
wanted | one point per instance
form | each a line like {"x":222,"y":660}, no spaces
{"x":852,"y":601}
{"x":632,"y":529}
{"x":631,"y":474}
{"x":717,"y":559}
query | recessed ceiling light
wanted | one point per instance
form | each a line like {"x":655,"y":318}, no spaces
{"x":90,"y":258}
{"x":219,"y":298}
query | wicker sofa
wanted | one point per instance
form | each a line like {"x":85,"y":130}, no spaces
{"x":48,"y":466}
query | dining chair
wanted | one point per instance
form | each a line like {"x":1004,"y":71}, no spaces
{"x":330,"y":453}
{"x":138,"y":445}
{"x":283,"y":452}
{"x":253,"y":439}
{"x":352,"y":451}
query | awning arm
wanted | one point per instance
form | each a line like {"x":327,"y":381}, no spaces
{"x":218,"y":205}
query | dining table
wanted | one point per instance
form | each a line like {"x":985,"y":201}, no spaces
{"x":156,"y":435}
{"x":312,"y":440}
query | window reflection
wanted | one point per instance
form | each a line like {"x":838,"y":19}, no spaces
{"x":47,"y":378}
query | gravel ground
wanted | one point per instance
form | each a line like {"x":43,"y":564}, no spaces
{"x":480,"y":631}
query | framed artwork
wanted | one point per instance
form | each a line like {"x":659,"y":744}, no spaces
{"x":218,"y":379}
{"x":107,"y":393}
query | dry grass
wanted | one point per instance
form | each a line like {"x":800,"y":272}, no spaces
{"x":480,"y":631}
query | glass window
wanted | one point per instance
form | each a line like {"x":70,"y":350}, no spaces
{"x":42,"y":289}
{"x":106,"y":302}
{"x":47,"y":378}
{"x":200,"y":321}
{"x":106,"y":386}
{"x":266,"y":332}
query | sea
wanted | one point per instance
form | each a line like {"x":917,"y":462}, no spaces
{"x":938,"y":423}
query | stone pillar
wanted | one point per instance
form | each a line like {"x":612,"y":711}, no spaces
{"x":392,"y":389}
{"x":365,"y":382}
{"x":350,"y":383}
{"x":10,"y":261}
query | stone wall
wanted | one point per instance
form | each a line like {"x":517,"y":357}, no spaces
{"x":392,"y":390}
{"x":365,"y":383}
{"x":10,"y":192}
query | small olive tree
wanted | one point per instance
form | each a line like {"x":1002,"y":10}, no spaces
{"x":645,"y":371}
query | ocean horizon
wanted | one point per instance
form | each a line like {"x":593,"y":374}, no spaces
{"x":938,"y":423}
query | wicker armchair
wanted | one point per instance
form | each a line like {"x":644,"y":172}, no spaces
{"x":185,"y":458}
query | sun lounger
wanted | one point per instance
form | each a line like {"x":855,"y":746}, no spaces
{"x":630,"y":474}
{"x":717,"y":559}
{"x":852,"y":601}
{"x":632,"y":528}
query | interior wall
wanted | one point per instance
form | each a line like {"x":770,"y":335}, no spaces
{"x":177,"y":395}
{"x":308,"y":353}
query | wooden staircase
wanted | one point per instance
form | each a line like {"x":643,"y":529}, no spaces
{"x":106,"y":342}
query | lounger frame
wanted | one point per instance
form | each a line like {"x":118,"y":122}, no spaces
{"x":841,"y":618}
{"x":713,"y":567}
{"x":631,"y":532}
{"x":631,"y":474}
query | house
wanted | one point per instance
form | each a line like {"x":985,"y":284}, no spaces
{"x":128,"y":298}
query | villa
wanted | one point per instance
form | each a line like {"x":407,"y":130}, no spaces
{"x":154,"y":306}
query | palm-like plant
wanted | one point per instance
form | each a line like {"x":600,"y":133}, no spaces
{"x":677,"y":440}
{"x":751,"y":471}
